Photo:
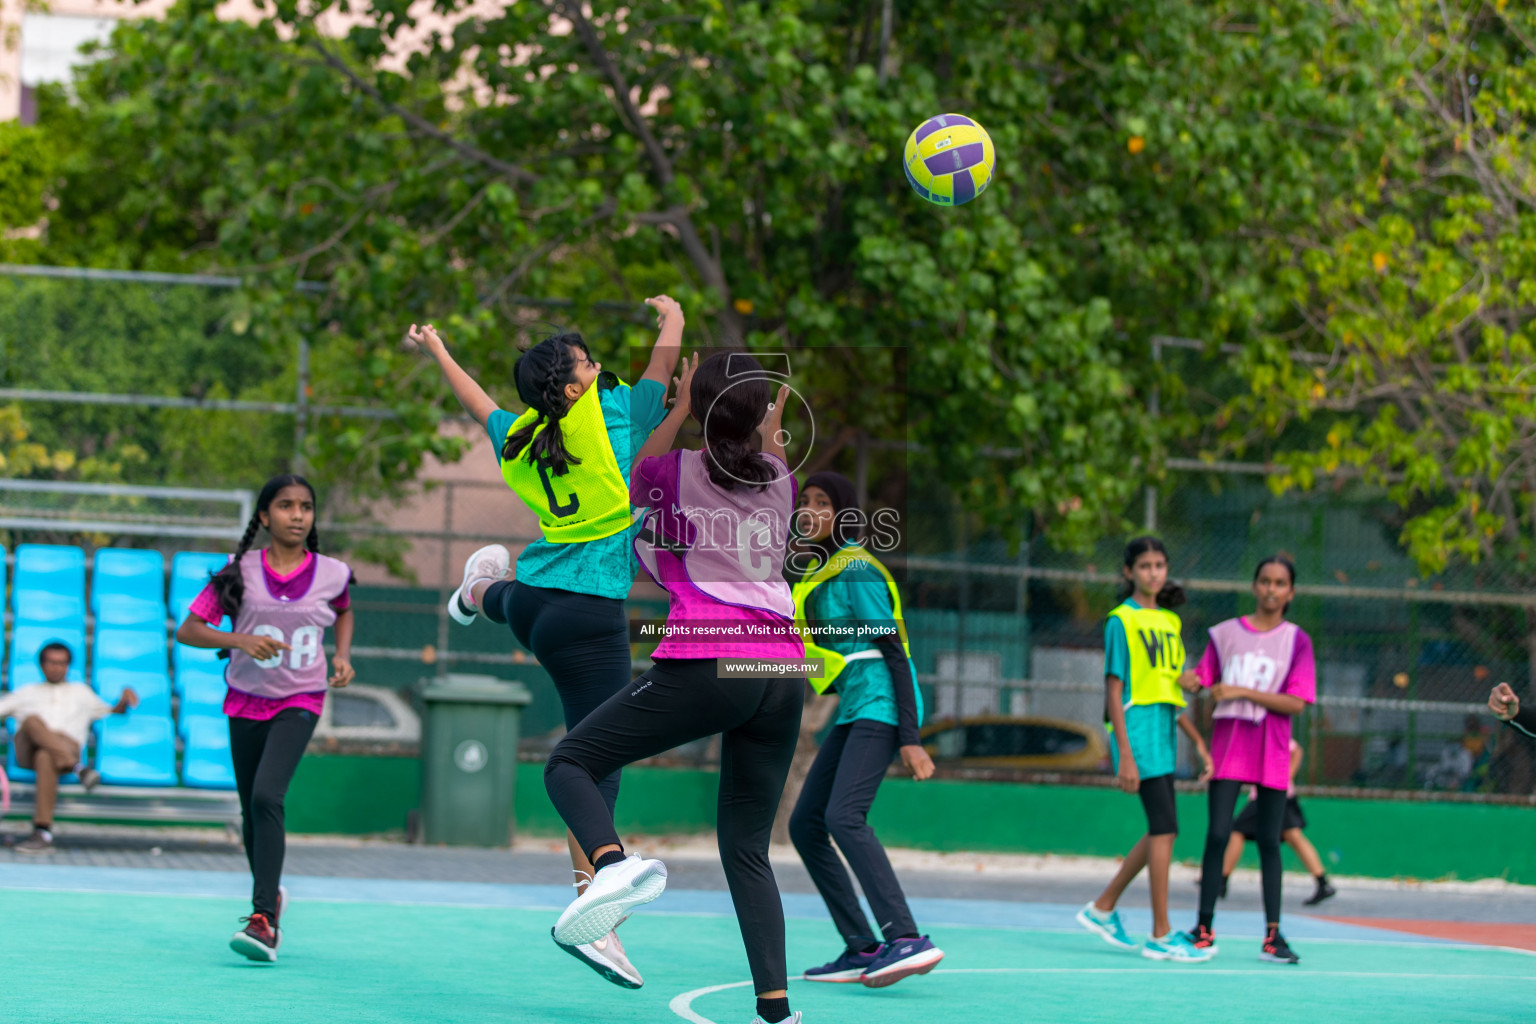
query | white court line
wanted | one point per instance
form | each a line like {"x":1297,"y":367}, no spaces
{"x":682,"y":1005}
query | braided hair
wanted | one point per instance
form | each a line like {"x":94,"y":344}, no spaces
{"x":228,"y":583}
{"x":541,"y":374}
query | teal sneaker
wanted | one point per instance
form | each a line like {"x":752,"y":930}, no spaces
{"x":1108,"y":926}
{"x":1177,"y":947}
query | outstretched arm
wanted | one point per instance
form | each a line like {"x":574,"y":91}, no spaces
{"x":669,"y":342}
{"x":660,"y":441}
{"x":470,"y":394}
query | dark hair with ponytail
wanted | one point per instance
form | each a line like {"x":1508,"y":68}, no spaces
{"x":1172,"y":595}
{"x":1282,"y":559}
{"x":541,"y":374}
{"x":228,"y":584}
{"x":729,"y":397}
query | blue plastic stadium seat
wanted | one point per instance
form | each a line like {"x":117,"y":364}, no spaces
{"x":205,"y":760}
{"x":203,"y":660}
{"x":37,"y":607}
{"x":130,"y":612}
{"x":127,"y":572}
{"x":28,"y":640}
{"x":136,"y":750}
{"x":56,"y":568}
{"x":14,"y":771}
{"x":142,"y":650}
{"x":201,"y":693}
{"x":190,"y":571}
{"x":152,"y":688}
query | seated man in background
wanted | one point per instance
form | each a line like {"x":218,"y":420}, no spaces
{"x":52,"y":719}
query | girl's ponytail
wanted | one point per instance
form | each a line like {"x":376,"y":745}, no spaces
{"x":541,"y":374}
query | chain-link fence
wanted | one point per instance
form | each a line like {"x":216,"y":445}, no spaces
{"x":1008,"y":642}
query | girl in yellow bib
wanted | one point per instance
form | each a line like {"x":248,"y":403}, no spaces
{"x":849,"y":595}
{"x":568,"y":458}
{"x":1143,"y":659}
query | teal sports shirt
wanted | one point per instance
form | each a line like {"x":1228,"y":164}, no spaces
{"x":606,"y":567}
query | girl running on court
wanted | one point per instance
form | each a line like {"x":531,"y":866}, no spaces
{"x":568,"y":458}
{"x":879,"y":711}
{"x":714,"y":538}
{"x":1245,"y":827}
{"x":1143,"y":657}
{"x":281,"y":598}
{"x":1260,"y":672}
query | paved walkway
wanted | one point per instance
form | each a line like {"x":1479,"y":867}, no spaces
{"x":692,"y":864}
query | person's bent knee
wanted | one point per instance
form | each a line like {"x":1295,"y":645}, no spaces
{"x":266,"y":801}
{"x":846,"y":823}
{"x":803,"y":830}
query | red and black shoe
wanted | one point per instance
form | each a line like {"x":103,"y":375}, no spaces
{"x":1276,"y":950}
{"x":1202,"y":936}
{"x":257,"y":941}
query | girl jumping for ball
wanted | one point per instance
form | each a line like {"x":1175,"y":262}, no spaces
{"x":282,"y":598}
{"x":1143,"y":657}
{"x":714,"y":537}
{"x":568,"y":459}
{"x":879,"y":711}
{"x":1259,"y":670}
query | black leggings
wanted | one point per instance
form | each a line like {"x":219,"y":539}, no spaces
{"x":581,"y":640}
{"x":675,"y":702}
{"x":1271,"y":813}
{"x":834,"y":805}
{"x":266,"y":753}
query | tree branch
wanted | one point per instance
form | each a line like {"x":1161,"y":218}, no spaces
{"x":420,"y":123}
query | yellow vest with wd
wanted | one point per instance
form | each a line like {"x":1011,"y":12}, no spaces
{"x":1154,"y":637}
{"x":586,"y":501}
{"x":833,"y":661}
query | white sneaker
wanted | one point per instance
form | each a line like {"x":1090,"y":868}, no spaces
{"x":491,"y":562}
{"x":615,"y":891}
{"x":606,"y":957}
{"x":794,"y":1018}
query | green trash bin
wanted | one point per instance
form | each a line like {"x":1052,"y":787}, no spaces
{"x":469,"y":759}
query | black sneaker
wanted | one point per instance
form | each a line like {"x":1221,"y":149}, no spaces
{"x":40,"y":841}
{"x":90,"y":778}
{"x":1203,"y":937}
{"x":1324,"y":891}
{"x":257,"y":940}
{"x":1276,"y":951}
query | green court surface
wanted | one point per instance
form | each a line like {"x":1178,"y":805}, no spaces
{"x":119,"y":958}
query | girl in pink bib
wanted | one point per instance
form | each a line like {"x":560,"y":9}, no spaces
{"x":732,"y":662}
{"x":1259,"y":669}
{"x":282,"y":598}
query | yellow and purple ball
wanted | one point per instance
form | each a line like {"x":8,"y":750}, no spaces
{"x":949,"y":160}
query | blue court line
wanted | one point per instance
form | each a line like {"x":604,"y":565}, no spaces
{"x":934,"y":914}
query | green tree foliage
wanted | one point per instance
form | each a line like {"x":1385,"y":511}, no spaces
{"x":1413,"y":293}
{"x":745,"y":157}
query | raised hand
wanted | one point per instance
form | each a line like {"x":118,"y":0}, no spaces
{"x":682,"y":401}
{"x":666,"y":308}
{"x":424,"y":338}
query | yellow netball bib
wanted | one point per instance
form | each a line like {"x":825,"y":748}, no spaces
{"x":834,"y":661}
{"x":584,"y":501}
{"x":1154,"y":636}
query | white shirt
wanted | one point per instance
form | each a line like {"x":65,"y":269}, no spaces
{"x":67,"y":708}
